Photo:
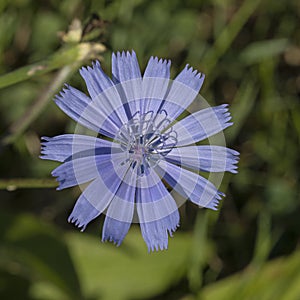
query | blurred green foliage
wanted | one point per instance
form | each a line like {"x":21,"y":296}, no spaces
{"x":249,"y":51}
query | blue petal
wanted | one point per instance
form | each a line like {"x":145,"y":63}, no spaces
{"x":156,"y":233}
{"x":87,"y":113}
{"x":114,"y":231}
{"x":66,"y":146}
{"x":120,"y":211}
{"x":73,"y":103}
{"x":84,"y":169}
{"x":202,"y":124}
{"x":126,"y":74}
{"x":96,"y":80}
{"x":71,"y":174}
{"x":191,"y":78}
{"x":153,"y":199}
{"x":157,"y":68}
{"x":190,"y":185}
{"x":102,"y":89}
{"x":157,"y":211}
{"x":125,"y":67}
{"x":99,"y":194}
{"x":205,"y":158}
{"x":155,"y":84}
{"x":83,"y":213}
{"x":92,"y":202}
{"x":182,"y":92}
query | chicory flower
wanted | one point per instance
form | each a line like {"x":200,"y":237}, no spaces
{"x":138,"y":147}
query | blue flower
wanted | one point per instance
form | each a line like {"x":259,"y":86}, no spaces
{"x":138,"y":146}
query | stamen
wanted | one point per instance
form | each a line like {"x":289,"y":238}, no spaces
{"x":145,"y":140}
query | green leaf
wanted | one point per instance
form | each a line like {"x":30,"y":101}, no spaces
{"x":13,"y":286}
{"x":278,"y":279}
{"x":128,"y":271}
{"x":259,"y":51}
{"x":39,"y":252}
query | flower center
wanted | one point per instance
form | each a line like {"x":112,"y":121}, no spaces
{"x":146,"y":139}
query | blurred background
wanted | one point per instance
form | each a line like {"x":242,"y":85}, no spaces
{"x":250,"y":53}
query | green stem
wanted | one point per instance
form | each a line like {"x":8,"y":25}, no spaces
{"x":228,"y":34}
{"x":20,"y":125}
{"x":25,"y":183}
{"x":69,"y":59}
{"x":199,"y":252}
{"x":67,"y":55}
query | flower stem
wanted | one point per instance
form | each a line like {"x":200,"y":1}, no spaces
{"x":20,"y":125}
{"x":25,"y":183}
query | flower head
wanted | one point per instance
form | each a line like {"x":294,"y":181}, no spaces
{"x":141,"y":146}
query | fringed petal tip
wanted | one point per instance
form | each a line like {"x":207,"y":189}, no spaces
{"x":234,"y":170}
{"x":63,"y":183}
{"x":173,"y":229}
{"x":62,"y":93}
{"x":157,"y":68}
{"x":83,"y":213}
{"x":125,"y":67}
{"x":55,"y":172}
{"x":157,"y":245}
{"x":161,"y":244}
{"x":234,"y":153}
{"x":96,"y":64}
{"x":60,"y":187}
{"x":61,"y":179}
{"x":70,"y":95}
{"x":112,"y":236}
{"x":45,"y":153}
{"x":114,"y":231}
{"x":223,"y":115}
{"x":191,"y":78}
{"x":124,"y":54}
{"x":46,"y":139}
{"x":234,"y":157}
{"x":194,"y":72}
{"x":60,"y":183}
{"x":72,"y":219}
{"x":160,"y":61}
{"x":88,"y":69}
{"x":111,"y":240}
{"x":83,"y":71}
{"x":156,"y":233}
{"x":214,"y":203}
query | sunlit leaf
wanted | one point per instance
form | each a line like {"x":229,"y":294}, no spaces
{"x":278,"y":279}
{"x":127,"y":272}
